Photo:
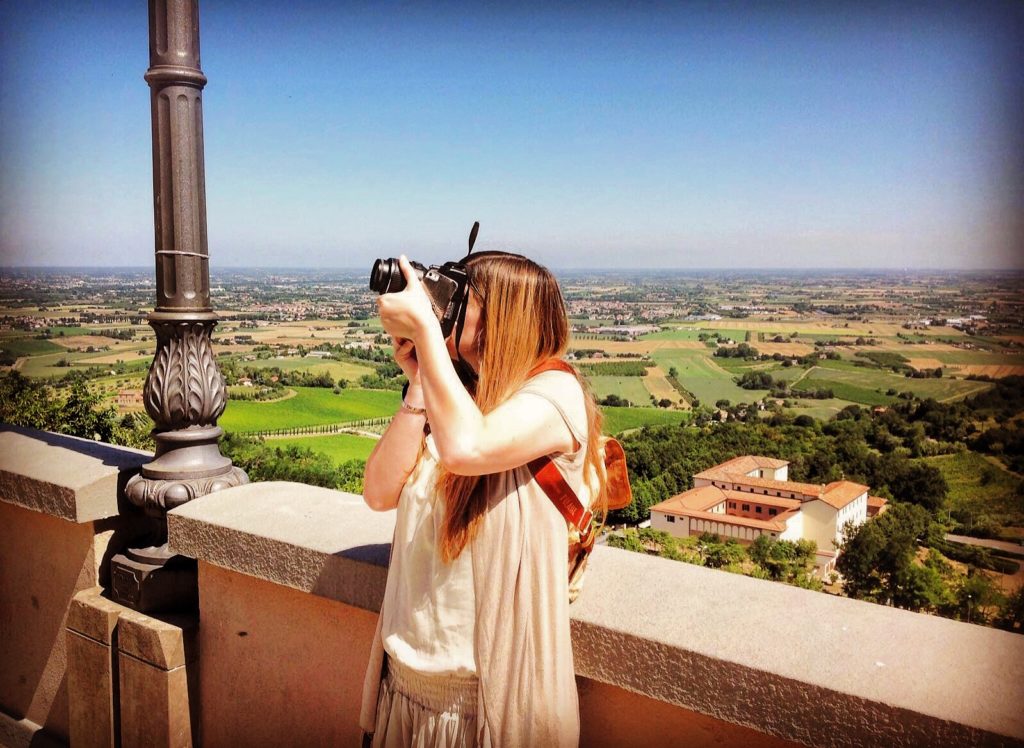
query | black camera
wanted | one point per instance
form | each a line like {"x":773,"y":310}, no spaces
{"x":447,"y":285}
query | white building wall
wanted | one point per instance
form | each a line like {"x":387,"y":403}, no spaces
{"x":782,"y":473}
{"x":855,"y":513}
{"x":699,"y":482}
{"x":819,"y":523}
{"x":794,"y":528}
{"x":678,"y":529}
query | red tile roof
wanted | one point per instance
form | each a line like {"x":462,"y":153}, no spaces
{"x":841,"y":492}
{"x":745,"y":464}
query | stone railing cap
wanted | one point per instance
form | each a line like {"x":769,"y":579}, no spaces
{"x":75,"y":479}
{"x":802,"y":665}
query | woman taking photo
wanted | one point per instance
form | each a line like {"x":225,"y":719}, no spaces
{"x":473,"y":644}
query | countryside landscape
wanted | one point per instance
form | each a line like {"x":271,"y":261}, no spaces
{"x":909,"y":382}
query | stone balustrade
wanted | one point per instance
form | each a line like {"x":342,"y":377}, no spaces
{"x":291,"y":577}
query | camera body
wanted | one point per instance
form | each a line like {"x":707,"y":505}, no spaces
{"x":446,"y":285}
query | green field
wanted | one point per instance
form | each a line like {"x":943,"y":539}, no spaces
{"x":820,"y":409}
{"x":311,"y":406}
{"x":703,"y":377}
{"x":28,"y":346}
{"x":337,"y":369}
{"x":845,"y":391}
{"x":867,"y":379}
{"x":617,"y":420}
{"x":980,"y":487}
{"x":46,"y":365}
{"x":679,"y":333}
{"x":631,"y":388}
{"x":977,"y":357}
{"x":339,"y":447}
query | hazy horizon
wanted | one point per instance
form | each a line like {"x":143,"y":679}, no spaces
{"x":710,"y":137}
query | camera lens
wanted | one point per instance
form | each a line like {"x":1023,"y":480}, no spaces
{"x":386,"y":276}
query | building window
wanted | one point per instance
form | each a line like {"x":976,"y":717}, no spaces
{"x":772,"y":512}
{"x":757,"y":509}
{"x":746,"y":507}
{"x":732,"y":504}
{"x":671,"y":518}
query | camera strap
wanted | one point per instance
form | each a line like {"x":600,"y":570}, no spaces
{"x":460,"y":323}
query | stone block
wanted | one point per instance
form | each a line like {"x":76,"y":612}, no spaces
{"x":168,"y":642}
{"x":158,"y":663}
{"x":94,"y":616}
{"x":92,"y":693}
{"x":156,"y":705}
{"x":75,"y":479}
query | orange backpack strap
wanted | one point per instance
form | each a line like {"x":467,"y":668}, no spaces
{"x":552,"y":364}
{"x":547,"y":475}
{"x":561,"y":495}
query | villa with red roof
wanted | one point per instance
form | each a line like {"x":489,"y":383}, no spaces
{"x":750,"y":496}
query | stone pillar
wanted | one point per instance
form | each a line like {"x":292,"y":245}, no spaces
{"x":185,"y":392}
{"x":158,"y":667}
{"x":132,"y":679}
{"x":93,"y":690}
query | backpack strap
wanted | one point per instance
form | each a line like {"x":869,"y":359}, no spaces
{"x":562,"y":496}
{"x":548,"y":476}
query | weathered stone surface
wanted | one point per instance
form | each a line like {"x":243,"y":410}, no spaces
{"x":792,"y":663}
{"x":848,"y":672}
{"x":158,"y":713}
{"x":92,"y":709}
{"x":313,"y":539}
{"x":24,"y":733}
{"x":167,"y":642}
{"x":280,"y":667}
{"x":91,"y":614}
{"x":64,"y":476}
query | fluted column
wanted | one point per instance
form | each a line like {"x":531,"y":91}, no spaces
{"x":185,"y":392}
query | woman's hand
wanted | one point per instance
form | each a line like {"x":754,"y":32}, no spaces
{"x":406,"y":315}
{"x":405,"y":357}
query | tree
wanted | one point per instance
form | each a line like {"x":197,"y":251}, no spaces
{"x":1011,"y":612}
{"x":783,"y":560}
{"x":875,"y":556}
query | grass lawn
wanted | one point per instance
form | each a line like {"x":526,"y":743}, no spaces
{"x":617,"y":420}
{"x":311,"y":406}
{"x":631,"y":388}
{"x":339,"y":447}
{"x":337,"y":369}
{"x":978,"y":486}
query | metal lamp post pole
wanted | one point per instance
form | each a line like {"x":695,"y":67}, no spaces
{"x":185,"y":392}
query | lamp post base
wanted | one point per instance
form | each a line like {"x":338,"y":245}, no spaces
{"x":153,"y":579}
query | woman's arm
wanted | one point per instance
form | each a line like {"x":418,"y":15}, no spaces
{"x":469,"y":442}
{"x":394,"y":456}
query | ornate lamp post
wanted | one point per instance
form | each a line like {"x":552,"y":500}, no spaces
{"x":185,"y":392}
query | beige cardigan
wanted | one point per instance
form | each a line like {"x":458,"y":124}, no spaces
{"x":527,"y":692}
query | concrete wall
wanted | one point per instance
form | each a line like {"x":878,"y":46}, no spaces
{"x":663,"y":649}
{"x":58,"y":524}
{"x":291,"y":578}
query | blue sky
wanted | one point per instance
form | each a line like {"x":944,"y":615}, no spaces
{"x":607,"y":135}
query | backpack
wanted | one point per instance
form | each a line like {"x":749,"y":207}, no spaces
{"x":582,"y":532}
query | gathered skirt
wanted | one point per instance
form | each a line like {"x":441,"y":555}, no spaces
{"x":425,"y":711}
